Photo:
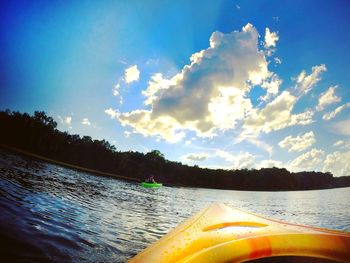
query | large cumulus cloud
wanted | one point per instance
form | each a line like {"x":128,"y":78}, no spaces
{"x":207,"y":95}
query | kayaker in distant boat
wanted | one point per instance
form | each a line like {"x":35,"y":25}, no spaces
{"x":150,"y":179}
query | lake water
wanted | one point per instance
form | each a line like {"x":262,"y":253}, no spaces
{"x":53,"y":214}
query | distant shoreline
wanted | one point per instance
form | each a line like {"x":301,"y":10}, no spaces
{"x":37,"y":136}
{"x":76,"y":167}
{"x":115,"y":176}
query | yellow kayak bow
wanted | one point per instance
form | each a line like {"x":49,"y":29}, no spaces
{"x":222,"y":234}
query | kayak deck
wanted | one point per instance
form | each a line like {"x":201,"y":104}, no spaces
{"x":222,"y":234}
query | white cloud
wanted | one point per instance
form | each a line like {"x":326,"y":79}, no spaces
{"x":196,"y":157}
{"x":326,"y":98}
{"x":338,"y":143}
{"x":342,"y":127}
{"x":115,"y":89}
{"x":271,"y":38}
{"x":275,"y":116}
{"x":86,"y":121}
{"x":127,"y":134}
{"x":65,"y":120}
{"x":153,"y":61}
{"x":306,"y":82}
{"x":330,"y":115}
{"x":112,"y":113}
{"x":239,"y":161}
{"x":342,"y":144}
{"x":156,"y":84}
{"x":269,"y":164}
{"x":278,"y":61}
{"x":209,"y":94}
{"x":228,"y":108}
{"x":272,"y":87}
{"x":298,"y":143}
{"x":338,"y":163}
{"x":259,"y":143}
{"x":131,"y":74}
{"x":308,"y":161}
{"x":144,"y":123}
{"x":188,"y":142}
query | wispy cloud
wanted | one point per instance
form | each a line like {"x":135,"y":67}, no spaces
{"x":112,"y":113}
{"x":275,"y":116}
{"x":65,"y":120}
{"x":342,"y":144}
{"x":327,"y":98}
{"x":258,"y":143}
{"x":331,"y":115}
{"x":278,"y":61}
{"x":342,"y":127}
{"x":298,"y":143}
{"x":127,"y":134}
{"x":86,"y":122}
{"x":304,"y":82}
{"x":115,"y":89}
{"x":196,"y":157}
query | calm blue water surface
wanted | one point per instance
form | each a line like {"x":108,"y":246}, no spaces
{"x":53,"y":214}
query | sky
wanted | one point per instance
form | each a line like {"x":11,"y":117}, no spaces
{"x":218,"y":84}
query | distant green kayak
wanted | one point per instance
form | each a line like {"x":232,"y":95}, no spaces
{"x":151,"y":185}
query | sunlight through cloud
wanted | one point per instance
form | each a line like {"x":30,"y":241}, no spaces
{"x":220,"y":75}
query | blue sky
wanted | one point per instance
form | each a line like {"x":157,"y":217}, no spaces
{"x":231,"y":84}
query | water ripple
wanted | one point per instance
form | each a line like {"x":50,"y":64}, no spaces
{"x":54,"y":214}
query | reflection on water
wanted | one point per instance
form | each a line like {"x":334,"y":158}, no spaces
{"x":54,"y":214}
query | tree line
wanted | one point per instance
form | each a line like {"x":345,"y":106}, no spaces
{"x":39,"y":134}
